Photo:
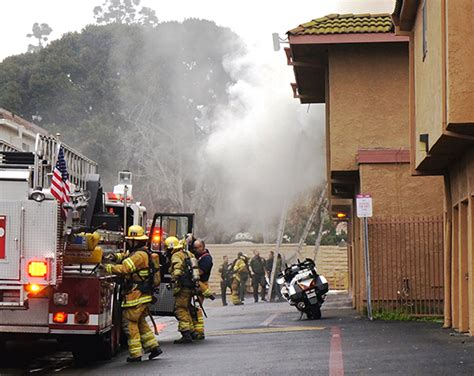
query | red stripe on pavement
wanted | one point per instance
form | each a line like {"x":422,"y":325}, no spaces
{"x":336,"y":363}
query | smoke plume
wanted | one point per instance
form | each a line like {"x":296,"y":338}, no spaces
{"x":213,"y":129}
{"x":265,"y":147}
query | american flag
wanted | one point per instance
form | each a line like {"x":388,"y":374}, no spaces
{"x":60,"y":188}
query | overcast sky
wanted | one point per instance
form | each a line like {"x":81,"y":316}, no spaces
{"x":253,"y":20}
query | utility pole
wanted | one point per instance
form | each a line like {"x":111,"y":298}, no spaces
{"x":364,"y":211}
{"x":367,"y":269}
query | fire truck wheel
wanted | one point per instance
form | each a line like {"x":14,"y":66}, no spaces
{"x":314,"y":312}
{"x":84,"y":350}
{"x":98,"y":347}
{"x":107,"y":346}
{"x":109,"y":343}
{"x":3,"y":347}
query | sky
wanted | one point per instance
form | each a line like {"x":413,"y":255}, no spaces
{"x":253,"y":20}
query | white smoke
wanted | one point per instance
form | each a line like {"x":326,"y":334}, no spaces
{"x":265,"y":147}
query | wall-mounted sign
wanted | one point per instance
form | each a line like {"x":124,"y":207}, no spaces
{"x":364,"y":205}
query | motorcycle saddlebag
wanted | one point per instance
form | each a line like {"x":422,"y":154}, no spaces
{"x":322,"y":285}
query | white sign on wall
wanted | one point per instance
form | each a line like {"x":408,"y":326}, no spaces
{"x":364,"y":205}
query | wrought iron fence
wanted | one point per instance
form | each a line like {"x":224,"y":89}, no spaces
{"x":406,"y":256}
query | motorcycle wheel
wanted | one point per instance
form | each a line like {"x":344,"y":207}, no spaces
{"x":314,"y":312}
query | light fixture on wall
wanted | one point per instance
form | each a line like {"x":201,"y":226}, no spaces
{"x":277,"y":41}
{"x":424,"y":141}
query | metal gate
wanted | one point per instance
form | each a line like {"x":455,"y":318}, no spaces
{"x":406,"y":257}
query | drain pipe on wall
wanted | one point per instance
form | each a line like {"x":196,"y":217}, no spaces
{"x":448,"y":213}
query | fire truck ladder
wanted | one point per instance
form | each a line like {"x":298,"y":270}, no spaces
{"x":46,"y":154}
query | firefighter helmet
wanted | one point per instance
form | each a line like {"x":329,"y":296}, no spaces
{"x":136,"y":232}
{"x":172,"y":242}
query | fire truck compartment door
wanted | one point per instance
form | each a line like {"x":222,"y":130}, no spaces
{"x":30,"y":232}
{"x":10,"y":239}
{"x":41,"y":232}
{"x":170,"y":224}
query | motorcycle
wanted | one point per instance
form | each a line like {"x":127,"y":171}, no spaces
{"x":304,"y":288}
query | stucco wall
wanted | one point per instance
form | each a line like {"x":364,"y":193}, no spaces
{"x":460,"y":251}
{"x":396,"y":193}
{"x":428,"y":77}
{"x":368,"y":99}
{"x":460,"y":61}
{"x":17,"y":138}
{"x":462,"y":178}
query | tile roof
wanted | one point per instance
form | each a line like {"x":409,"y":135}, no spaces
{"x":346,"y":24}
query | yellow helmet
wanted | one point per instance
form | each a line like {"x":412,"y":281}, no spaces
{"x":136,"y":232}
{"x":172,"y":242}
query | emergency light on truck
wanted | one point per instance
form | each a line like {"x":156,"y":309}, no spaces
{"x":34,"y":288}
{"x":37,"y":268}
{"x":60,"y":317}
{"x":157,"y":235}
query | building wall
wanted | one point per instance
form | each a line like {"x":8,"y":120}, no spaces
{"x":449,"y":29}
{"x":461,"y":245}
{"x":18,"y":131}
{"x":368,"y":99}
{"x":396,"y":193}
{"x":460,"y":60}
{"x":368,"y":96}
{"x":17,"y":136}
{"x":428,"y":77}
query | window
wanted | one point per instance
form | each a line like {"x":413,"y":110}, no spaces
{"x":425,"y":36}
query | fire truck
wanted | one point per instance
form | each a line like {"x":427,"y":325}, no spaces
{"x":50,"y":283}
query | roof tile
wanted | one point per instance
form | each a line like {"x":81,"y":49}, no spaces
{"x":346,"y":24}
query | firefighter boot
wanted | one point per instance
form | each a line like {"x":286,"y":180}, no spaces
{"x":186,"y":338}
{"x":134,"y":360}
{"x":155,"y":352}
{"x":197,"y":336}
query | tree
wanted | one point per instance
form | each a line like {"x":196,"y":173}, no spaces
{"x":298,"y":215}
{"x":330,"y":235}
{"x":130,"y":97}
{"x":39,"y":32}
{"x":163,"y":97}
{"x":125,"y":12}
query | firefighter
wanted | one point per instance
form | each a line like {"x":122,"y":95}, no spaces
{"x":224,"y":273}
{"x":257,"y":264}
{"x":134,"y":266}
{"x":244,"y":277}
{"x":184,"y":287}
{"x":205,"y":266}
{"x":269,"y":266}
{"x":239,"y":267}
